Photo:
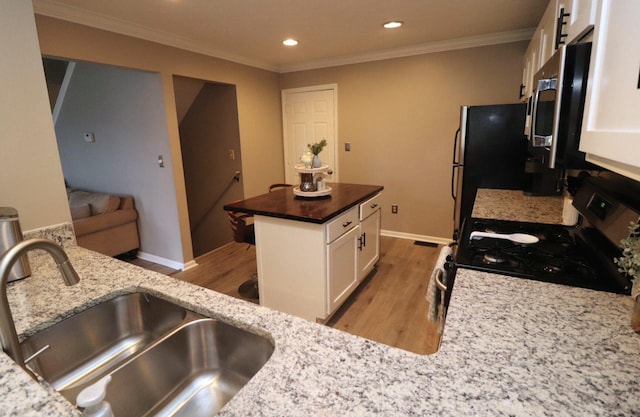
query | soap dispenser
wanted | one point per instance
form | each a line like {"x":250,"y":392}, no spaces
{"x":92,"y":399}
{"x":10,"y":234}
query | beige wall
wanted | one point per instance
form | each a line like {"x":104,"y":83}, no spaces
{"x":30,"y":172}
{"x":400,"y":116}
{"x":257,"y":90}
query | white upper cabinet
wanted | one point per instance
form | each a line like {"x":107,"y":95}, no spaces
{"x":579,"y":18}
{"x":531,"y":65}
{"x":611,"y":124}
{"x":541,"y":47}
{"x":548,"y":38}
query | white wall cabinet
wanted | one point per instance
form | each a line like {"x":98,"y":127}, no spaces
{"x":611,"y":124}
{"x":580,"y":20}
{"x":548,"y":33}
{"x":531,"y":65}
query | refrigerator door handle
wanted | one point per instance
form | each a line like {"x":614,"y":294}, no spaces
{"x":455,"y":147}
{"x":453,"y":181}
{"x":455,"y":164}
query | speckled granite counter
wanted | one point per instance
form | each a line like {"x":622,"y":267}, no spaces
{"x":514,"y":205}
{"x":510,"y":347}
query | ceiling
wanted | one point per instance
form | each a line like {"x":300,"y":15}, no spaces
{"x":330,"y":32}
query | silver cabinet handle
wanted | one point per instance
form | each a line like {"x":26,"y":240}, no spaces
{"x":346,"y":224}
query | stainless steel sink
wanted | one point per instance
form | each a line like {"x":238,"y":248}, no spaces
{"x":98,"y":339}
{"x":163,"y":359}
{"x":193,"y":372}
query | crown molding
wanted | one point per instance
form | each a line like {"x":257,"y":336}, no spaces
{"x":57,"y":10}
{"x":427,"y":48}
{"x":54,"y":9}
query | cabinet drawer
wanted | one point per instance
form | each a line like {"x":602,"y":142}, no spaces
{"x":370,"y":206}
{"x":342,"y":224}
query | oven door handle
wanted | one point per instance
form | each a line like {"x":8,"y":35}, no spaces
{"x":441,"y":286}
{"x":442,"y":310}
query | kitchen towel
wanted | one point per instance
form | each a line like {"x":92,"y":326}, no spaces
{"x":433,"y":295}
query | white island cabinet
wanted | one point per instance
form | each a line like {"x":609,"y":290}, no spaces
{"x":611,"y":125}
{"x":369,"y":240}
{"x":313,"y":253}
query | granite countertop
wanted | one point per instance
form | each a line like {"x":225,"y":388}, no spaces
{"x":510,"y":347}
{"x":285,"y":204}
{"x":514,"y":205}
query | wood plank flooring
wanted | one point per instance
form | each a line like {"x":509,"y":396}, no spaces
{"x":388,"y":307}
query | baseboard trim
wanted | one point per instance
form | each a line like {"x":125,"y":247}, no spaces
{"x":411,"y":236}
{"x":166,"y":262}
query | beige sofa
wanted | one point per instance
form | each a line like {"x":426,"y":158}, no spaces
{"x":103,"y":222}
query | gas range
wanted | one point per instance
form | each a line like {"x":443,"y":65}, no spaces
{"x":579,"y":256}
{"x":563,"y":255}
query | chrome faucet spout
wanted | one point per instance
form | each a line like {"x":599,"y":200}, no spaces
{"x":8,"y":334}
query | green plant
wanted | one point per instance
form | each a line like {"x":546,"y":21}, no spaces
{"x":316,"y":148}
{"x":629,"y":262}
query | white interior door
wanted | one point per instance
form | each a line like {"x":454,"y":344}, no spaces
{"x":309,"y":116}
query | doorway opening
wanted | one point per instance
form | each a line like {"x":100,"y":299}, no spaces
{"x":211,"y":157}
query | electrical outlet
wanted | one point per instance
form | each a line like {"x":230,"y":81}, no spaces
{"x":394,"y":209}
{"x":347,"y":146}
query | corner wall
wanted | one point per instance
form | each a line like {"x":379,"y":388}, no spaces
{"x":30,"y":171}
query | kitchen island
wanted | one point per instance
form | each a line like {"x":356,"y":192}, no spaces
{"x":312,"y":253}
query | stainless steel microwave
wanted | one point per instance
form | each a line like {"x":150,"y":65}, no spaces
{"x":557,"y":108}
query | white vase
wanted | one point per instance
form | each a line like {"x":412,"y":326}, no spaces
{"x":307,"y":159}
{"x":316,"y":163}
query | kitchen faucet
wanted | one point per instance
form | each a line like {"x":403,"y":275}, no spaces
{"x":8,"y":334}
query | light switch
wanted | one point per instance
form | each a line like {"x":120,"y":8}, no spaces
{"x":347,"y":146}
{"x":160,"y":161}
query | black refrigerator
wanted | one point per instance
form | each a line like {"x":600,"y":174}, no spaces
{"x":489,"y":151}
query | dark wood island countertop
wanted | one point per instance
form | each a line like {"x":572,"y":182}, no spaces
{"x":283,"y":203}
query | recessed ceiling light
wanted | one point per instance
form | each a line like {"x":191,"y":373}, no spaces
{"x":290,"y":42}
{"x":392,"y":25}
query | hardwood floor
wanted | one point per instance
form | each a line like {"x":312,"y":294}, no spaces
{"x":223,"y":269}
{"x":388,"y":307}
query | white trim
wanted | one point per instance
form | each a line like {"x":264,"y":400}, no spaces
{"x":427,"y":48}
{"x":64,"y":87}
{"x":166,"y":262}
{"x":81,"y":16}
{"x":420,"y":238}
{"x":89,"y":18}
{"x":323,"y":87}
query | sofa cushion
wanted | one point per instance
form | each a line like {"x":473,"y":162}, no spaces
{"x":99,"y":203}
{"x":80,"y":212}
{"x":97,"y":224}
